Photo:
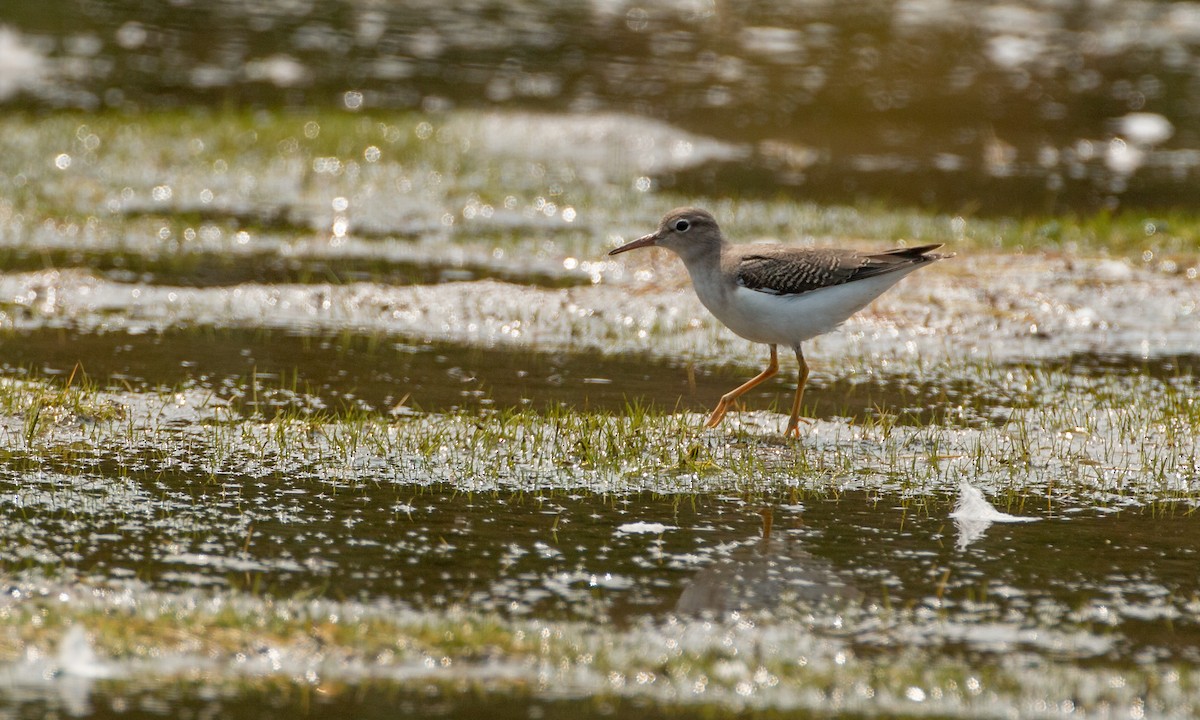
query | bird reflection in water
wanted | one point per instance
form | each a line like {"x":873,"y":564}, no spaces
{"x":770,"y":573}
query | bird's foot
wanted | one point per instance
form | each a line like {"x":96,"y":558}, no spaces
{"x":718,"y":414}
{"x":793,"y":428}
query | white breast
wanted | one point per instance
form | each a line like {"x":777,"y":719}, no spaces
{"x":792,"y":319}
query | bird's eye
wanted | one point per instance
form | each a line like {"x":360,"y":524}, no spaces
{"x":682,"y":225}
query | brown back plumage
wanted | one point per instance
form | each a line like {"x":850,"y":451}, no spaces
{"x":791,"y":271}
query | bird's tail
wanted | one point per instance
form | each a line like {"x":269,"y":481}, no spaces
{"x":920,"y":252}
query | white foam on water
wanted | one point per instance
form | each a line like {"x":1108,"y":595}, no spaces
{"x":21,"y":65}
{"x":972,"y":505}
{"x":77,"y":658}
{"x":973,"y":515}
{"x":635,"y":528}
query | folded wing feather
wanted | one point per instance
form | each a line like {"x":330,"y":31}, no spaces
{"x":792,"y":271}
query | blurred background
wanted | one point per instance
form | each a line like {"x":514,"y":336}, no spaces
{"x":958,"y":106}
{"x":310,"y":299}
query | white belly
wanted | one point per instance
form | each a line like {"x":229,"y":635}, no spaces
{"x":792,"y":319}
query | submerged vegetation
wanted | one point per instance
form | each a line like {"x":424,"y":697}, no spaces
{"x":320,"y":395}
{"x":1052,"y":429}
{"x":335,"y":404}
{"x":238,"y":517}
{"x":250,"y":182}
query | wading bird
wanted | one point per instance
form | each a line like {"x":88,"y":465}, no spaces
{"x":774,"y":294}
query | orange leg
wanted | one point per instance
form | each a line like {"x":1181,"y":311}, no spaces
{"x":728,"y":398}
{"x":768,"y":517}
{"x":793,"y":428}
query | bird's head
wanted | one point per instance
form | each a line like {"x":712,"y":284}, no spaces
{"x":688,"y":231}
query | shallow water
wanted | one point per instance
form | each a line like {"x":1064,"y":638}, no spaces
{"x":274,"y":372}
{"x":319,"y":396}
{"x":873,"y":577}
{"x":1180,"y":367}
{"x":959,"y":105}
{"x":580,"y":556}
{"x":372,"y":700}
{"x":207,"y":270}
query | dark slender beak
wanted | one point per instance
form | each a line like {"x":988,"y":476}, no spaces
{"x":643,"y":241}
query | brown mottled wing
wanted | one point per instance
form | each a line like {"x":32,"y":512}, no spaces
{"x":791,"y":271}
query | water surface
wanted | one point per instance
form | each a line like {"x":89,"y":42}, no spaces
{"x":963,"y":106}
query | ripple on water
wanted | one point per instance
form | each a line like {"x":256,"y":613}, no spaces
{"x":276,"y":371}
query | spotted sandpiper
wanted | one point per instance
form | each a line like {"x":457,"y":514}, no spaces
{"x":774,"y":294}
